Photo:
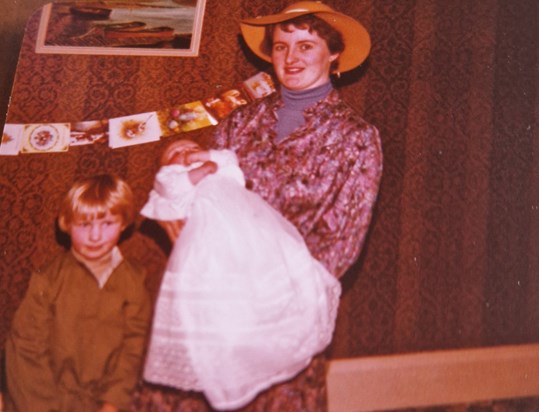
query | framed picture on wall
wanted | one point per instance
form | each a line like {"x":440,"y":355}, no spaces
{"x":122,"y":27}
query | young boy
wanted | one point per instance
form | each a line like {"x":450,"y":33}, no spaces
{"x":77,"y":340}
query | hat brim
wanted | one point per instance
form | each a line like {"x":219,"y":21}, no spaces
{"x":357,"y":42}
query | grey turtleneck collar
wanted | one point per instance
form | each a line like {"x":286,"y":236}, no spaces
{"x":290,"y":115}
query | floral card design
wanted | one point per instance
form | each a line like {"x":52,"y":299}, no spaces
{"x":45,"y":138}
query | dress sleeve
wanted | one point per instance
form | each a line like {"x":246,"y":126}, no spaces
{"x":121,"y":382}
{"x":171,"y":195}
{"x":30,"y":379}
{"x":223,"y":132}
{"x":340,"y":230}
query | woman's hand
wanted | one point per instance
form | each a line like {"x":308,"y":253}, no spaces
{"x":186,"y":152}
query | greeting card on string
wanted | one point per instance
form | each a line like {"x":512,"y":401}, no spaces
{"x":134,"y":129}
{"x":11,"y":139}
{"x":45,"y":138}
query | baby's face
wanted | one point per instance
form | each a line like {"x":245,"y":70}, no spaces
{"x":182,"y":150}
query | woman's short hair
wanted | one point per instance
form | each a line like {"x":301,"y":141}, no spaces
{"x":92,"y":197}
{"x":310,"y":22}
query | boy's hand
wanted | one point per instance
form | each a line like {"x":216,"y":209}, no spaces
{"x":108,"y":407}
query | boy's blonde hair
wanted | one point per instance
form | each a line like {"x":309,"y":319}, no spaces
{"x":93,"y":197}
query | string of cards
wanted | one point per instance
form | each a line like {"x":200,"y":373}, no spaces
{"x":133,"y":129}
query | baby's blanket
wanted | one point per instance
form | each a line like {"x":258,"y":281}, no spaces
{"x":243,"y":305}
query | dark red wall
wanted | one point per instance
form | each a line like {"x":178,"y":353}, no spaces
{"x":451,"y":260}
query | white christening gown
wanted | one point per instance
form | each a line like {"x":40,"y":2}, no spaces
{"x":242,"y":305}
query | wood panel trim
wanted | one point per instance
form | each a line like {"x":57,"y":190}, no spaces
{"x":433,"y":378}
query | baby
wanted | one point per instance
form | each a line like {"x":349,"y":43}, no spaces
{"x":243,"y":304}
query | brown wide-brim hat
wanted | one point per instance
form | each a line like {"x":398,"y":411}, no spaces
{"x":357,"y":42}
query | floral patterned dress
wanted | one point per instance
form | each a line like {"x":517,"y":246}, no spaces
{"x":324,"y":178}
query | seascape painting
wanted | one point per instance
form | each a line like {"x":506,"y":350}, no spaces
{"x":120,"y":27}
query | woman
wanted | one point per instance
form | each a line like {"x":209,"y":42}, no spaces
{"x":309,"y":155}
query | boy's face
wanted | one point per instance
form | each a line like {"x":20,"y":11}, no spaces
{"x":94,"y":238}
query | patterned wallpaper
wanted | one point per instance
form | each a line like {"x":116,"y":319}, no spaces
{"x":451,"y":260}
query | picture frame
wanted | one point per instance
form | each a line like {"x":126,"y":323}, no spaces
{"x":122,"y":27}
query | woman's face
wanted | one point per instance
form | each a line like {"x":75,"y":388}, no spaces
{"x":301,"y":59}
